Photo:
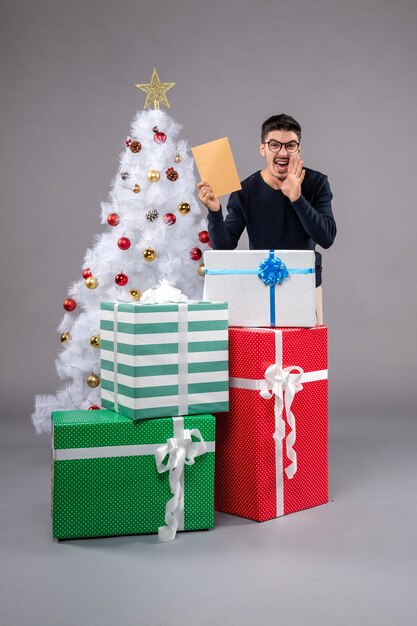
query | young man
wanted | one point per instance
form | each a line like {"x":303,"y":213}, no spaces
{"x":284,"y":206}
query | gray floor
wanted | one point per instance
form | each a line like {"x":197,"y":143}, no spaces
{"x":351,"y":562}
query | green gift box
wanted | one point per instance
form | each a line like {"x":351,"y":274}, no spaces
{"x":115,"y":476}
{"x":164,"y":359}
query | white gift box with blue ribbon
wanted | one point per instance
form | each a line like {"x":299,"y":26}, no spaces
{"x":263,"y":287}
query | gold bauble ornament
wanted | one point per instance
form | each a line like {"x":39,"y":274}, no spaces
{"x":136,"y":188}
{"x":153,"y":176}
{"x":91,"y":282}
{"x":135,"y":294}
{"x":201,"y":270}
{"x":178,"y":158}
{"x":184,"y":208}
{"x":65,"y":337}
{"x":93,"y":381}
{"x":95,"y":341}
{"x":149,"y":254}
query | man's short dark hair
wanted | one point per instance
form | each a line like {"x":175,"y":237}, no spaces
{"x":280,"y":122}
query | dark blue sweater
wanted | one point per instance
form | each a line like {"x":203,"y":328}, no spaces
{"x":274,"y":222}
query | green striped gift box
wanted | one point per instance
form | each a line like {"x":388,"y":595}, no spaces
{"x":166,"y":359}
{"x":105,"y":480}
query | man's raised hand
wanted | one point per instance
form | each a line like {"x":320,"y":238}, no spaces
{"x":291,"y":186}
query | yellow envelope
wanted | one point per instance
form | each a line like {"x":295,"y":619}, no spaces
{"x":216,"y":165}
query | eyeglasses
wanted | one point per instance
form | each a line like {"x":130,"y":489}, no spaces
{"x":275,"y":146}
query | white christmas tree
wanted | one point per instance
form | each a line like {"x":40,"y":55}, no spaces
{"x":155,"y":231}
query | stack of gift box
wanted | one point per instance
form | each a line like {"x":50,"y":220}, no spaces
{"x":219,"y":404}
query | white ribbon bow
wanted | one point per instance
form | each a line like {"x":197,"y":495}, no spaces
{"x":163,"y":293}
{"x":280,"y":382}
{"x":180,"y":451}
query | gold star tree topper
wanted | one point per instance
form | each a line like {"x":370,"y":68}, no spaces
{"x":155,"y":91}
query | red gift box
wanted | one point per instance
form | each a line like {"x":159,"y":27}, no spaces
{"x":272,"y":445}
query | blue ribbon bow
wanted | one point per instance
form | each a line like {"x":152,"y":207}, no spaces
{"x":273,"y":271}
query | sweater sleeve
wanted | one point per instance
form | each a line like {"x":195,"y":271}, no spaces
{"x":317,"y":218}
{"x":225,"y":233}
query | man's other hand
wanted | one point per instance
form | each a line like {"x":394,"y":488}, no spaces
{"x":207,"y":197}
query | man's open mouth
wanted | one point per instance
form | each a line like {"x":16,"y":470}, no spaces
{"x":281,"y":163}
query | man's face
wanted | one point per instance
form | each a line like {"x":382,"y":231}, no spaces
{"x":276,"y":163}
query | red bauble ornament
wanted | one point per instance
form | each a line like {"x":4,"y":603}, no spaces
{"x":113,"y":219}
{"x":169,"y":219}
{"x":124,"y":243}
{"x":94,"y":407}
{"x":203,"y":236}
{"x":121,"y":279}
{"x":159,"y":136}
{"x":128,"y":142}
{"x":69,"y":304}
{"x":87,"y":273}
{"x":196,"y":254}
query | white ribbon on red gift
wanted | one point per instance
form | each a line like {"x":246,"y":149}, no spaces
{"x":181,"y":450}
{"x":282,"y":383}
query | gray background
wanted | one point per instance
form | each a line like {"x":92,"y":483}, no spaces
{"x":347,"y":71}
